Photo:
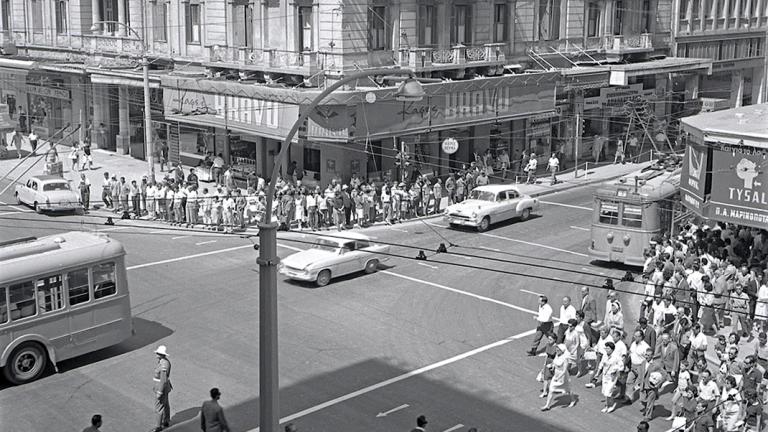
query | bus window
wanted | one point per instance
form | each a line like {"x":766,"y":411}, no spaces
{"x":22,"y":300}
{"x":77,"y":281}
{"x":104,"y":280}
{"x":3,"y":307}
{"x":50,"y":293}
{"x":632,"y":216}
{"x":609,"y":213}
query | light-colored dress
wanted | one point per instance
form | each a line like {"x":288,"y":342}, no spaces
{"x":761,"y":310}
{"x":611,"y":371}
{"x":560,"y":381}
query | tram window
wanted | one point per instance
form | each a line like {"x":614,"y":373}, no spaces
{"x":104,"y":280}
{"x":609,"y":213}
{"x":22,"y":300}
{"x":632,"y":216}
{"x":50,"y":293}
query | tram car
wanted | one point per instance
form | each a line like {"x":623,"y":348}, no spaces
{"x":630,"y":211}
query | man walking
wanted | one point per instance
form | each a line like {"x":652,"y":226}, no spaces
{"x":95,"y":424}
{"x":567,"y":313}
{"x":589,"y":308}
{"x":653,"y":376}
{"x":545,"y":326}
{"x":212,"y":415}
{"x":162,"y":388}
{"x":85,"y":192}
{"x":421,"y":424}
{"x":106,"y":191}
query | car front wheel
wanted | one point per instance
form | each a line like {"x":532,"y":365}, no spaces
{"x":323,"y":278}
{"x":37,"y":208}
{"x":371,"y":266}
{"x":18,"y":199}
{"x":484,"y":224}
{"x":525,"y":214}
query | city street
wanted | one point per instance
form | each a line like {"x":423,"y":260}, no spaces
{"x":445,"y":337}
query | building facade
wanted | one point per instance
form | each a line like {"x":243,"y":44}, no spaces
{"x":231,"y":77}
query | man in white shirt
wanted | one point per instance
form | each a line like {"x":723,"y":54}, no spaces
{"x":637,"y":352}
{"x":708,"y":390}
{"x":567,"y":313}
{"x":698,"y":344}
{"x":544,"y":324}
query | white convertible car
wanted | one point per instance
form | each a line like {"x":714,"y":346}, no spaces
{"x":490,"y":204}
{"x":331,"y":257}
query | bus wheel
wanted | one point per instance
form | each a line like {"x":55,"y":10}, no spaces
{"x":323,"y":278}
{"x":484,"y":224}
{"x":27,"y":363}
{"x":525,"y":214}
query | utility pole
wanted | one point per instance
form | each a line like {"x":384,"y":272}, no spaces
{"x":577,"y":145}
{"x":149,"y":145}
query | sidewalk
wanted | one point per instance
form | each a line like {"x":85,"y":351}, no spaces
{"x":134,"y":169}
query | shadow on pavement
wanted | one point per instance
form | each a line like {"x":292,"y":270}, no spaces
{"x":444,"y":405}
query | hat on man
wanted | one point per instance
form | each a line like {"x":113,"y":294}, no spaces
{"x":421,"y":421}
{"x":161,"y":350}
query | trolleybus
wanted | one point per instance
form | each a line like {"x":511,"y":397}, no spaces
{"x":61,"y":296}
{"x":628,"y":212}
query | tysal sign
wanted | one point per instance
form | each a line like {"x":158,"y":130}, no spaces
{"x":740,"y":186}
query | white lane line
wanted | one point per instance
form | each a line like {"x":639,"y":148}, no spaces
{"x":457,"y":427}
{"x":117,"y":228}
{"x":580,"y":228}
{"x":393,"y":410}
{"x":293,"y":248}
{"x":150,"y":264}
{"x":402,"y":377}
{"x":205,"y":242}
{"x":535,"y":244}
{"x":158,"y":231}
{"x":461,"y":256}
{"x":566,"y":205}
{"x":427,"y":265}
{"x":21,"y":209}
{"x":12,"y":212}
{"x":489,"y":248}
{"x":458,"y":291}
{"x":178,"y":237}
{"x":532,"y":292}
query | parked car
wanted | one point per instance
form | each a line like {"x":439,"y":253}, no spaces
{"x":48,"y":193}
{"x":332,"y":257}
{"x":491,"y":204}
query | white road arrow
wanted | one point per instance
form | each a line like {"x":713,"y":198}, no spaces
{"x":458,"y":426}
{"x":386,"y":413}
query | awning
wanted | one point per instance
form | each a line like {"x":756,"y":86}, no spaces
{"x":621,"y":73}
{"x":121,"y":81}
{"x":215,"y":122}
{"x":17,"y":64}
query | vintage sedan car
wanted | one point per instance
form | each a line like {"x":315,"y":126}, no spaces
{"x":490,"y":204}
{"x":331,"y":257}
{"x":48,"y":192}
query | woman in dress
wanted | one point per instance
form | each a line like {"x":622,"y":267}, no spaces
{"x":560,"y":382}
{"x":707,"y":311}
{"x":614,"y":317}
{"x":611,"y":366}
{"x":761,"y":310}
{"x":546,"y":371}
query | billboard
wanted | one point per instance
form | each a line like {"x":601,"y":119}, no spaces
{"x":739,"y":186}
{"x":693,"y":177}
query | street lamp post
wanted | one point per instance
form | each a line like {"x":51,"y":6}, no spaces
{"x":148,"y":144}
{"x":409,"y":90}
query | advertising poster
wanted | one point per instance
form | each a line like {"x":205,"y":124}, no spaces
{"x":739,"y":186}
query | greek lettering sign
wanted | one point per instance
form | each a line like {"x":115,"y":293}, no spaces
{"x":693,"y":177}
{"x":48,"y":92}
{"x":739,"y":186}
{"x":613,"y":97}
{"x":450,"y":146}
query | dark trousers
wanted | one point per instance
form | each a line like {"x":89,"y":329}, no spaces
{"x":648,"y":399}
{"x":106,"y":198}
{"x":541,"y":330}
{"x":86,"y":198}
{"x":136,"y":201}
{"x":561,"y":328}
{"x":162,"y":410}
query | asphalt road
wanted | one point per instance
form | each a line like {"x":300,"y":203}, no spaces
{"x":445,"y":337}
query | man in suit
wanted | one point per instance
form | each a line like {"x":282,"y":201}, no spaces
{"x":589,"y":308}
{"x":649,"y":333}
{"x":212,"y":415}
{"x":649,"y":384}
{"x":668,"y":355}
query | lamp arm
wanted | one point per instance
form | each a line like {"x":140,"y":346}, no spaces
{"x":304,"y":114}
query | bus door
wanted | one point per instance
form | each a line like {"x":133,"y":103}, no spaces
{"x":109,"y":314}
{"x":81,"y":323}
{"x":51,"y":321}
{"x":5,"y":333}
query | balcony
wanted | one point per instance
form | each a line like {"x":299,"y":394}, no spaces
{"x":426,"y":59}
{"x":265,"y":60}
{"x":630,"y":44}
{"x":117,"y":45}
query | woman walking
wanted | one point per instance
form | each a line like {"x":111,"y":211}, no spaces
{"x":611,"y":367}
{"x":560,"y":381}
{"x":545,"y":375}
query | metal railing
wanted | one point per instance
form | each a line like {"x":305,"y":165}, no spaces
{"x":424,"y":57}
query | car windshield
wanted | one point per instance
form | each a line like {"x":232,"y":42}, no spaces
{"x":326,"y":245}
{"x":56,"y":186}
{"x":482,"y":195}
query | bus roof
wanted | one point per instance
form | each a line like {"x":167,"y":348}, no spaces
{"x":648,"y":184}
{"x":36,"y":256}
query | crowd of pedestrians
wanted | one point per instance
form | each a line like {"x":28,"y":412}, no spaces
{"x":708,"y":281}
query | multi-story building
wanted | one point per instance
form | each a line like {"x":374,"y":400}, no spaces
{"x":230,"y":77}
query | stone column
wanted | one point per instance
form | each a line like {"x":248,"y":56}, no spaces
{"x":124,"y":134}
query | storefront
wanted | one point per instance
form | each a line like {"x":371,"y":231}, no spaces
{"x":723,"y":175}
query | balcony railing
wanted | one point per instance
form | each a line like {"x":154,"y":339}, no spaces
{"x":97,"y":43}
{"x":304,"y":62}
{"x":419,"y":58}
{"x":629,"y":43}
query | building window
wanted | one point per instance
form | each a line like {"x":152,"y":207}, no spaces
{"x":549,"y":20}
{"x":461,"y":28}
{"x":311,"y":160}
{"x":593,"y":20}
{"x":618,"y":18}
{"x":427,"y":25}
{"x":377,"y":28}
{"x":500,"y":22}
{"x":61,"y":17}
{"x":37,"y":16}
{"x":707,"y":8}
{"x":160,"y":18}
{"x":306,"y":42}
{"x":192,"y":17}
{"x":6,"y":12}
{"x":243,"y":24}
{"x":374,"y":151}
{"x":647,"y":16}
